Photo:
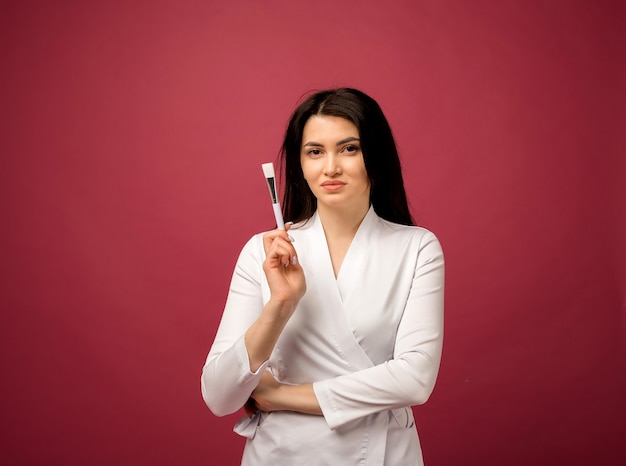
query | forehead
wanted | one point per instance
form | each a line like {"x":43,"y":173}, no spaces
{"x":320,"y":127}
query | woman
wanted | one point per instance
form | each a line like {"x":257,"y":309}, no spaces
{"x":332,"y":329}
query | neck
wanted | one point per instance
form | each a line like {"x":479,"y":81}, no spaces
{"x":339,"y":223}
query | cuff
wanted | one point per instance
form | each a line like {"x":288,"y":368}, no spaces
{"x":243,"y":360}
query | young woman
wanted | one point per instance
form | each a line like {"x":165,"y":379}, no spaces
{"x":332,"y":329}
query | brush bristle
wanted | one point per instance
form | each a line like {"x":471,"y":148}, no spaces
{"x":268,"y":170}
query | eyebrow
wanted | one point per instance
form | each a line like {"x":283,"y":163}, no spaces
{"x":343,"y":141}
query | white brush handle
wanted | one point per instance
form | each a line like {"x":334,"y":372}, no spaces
{"x":280,"y":223}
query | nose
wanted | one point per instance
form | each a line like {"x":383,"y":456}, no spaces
{"x":332,"y":167}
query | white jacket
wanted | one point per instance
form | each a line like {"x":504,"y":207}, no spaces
{"x":370,"y":341}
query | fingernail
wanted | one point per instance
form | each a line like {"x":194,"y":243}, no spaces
{"x":291,"y":238}
{"x":288,"y":223}
{"x":294,"y":260}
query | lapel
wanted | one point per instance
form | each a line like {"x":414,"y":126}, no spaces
{"x":352,"y":268}
{"x":321,"y":265}
{"x":332,"y":296}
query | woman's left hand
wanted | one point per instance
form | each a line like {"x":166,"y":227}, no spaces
{"x":265,"y":395}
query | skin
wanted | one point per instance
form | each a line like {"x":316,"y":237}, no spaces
{"x":333,"y":166}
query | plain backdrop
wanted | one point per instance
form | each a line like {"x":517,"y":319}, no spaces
{"x":132,"y":138}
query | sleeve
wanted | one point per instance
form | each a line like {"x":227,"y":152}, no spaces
{"x":227,"y":381}
{"x":409,"y":378}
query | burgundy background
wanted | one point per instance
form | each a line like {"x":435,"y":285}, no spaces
{"x":132,"y":138}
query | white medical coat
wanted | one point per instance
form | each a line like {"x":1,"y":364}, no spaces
{"x":369,"y":340}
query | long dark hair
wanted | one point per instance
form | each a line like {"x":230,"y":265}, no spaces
{"x":380,"y":155}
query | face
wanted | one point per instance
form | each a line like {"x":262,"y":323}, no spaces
{"x":332,"y":163}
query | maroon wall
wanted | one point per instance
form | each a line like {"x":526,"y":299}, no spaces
{"x":132,"y":139}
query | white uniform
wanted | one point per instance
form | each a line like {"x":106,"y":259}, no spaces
{"x":370,"y":342}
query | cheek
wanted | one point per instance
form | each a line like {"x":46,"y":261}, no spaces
{"x":307,"y":177}
{"x":304,"y":166}
{"x":361,"y":171}
{"x":305,"y":174}
{"x":309,"y":169}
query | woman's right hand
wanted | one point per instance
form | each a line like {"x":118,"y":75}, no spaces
{"x":282,"y":268}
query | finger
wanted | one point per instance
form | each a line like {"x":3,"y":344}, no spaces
{"x":279,"y":247}
{"x":278,"y":232}
{"x":282,"y":253}
{"x":282,"y":260}
{"x":288,"y":226}
{"x":271,"y":236}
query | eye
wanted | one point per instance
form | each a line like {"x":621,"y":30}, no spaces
{"x":314,"y":153}
{"x":351,"y":148}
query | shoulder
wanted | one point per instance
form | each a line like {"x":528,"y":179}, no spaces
{"x":253,"y":250}
{"x":412,"y":240}
{"x":407,"y":231}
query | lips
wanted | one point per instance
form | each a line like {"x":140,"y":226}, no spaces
{"x":333,"y":185}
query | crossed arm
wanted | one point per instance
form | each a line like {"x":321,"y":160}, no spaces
{"x":270,"y":395}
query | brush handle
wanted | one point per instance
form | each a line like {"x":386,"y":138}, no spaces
{"x":280,"y":223}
